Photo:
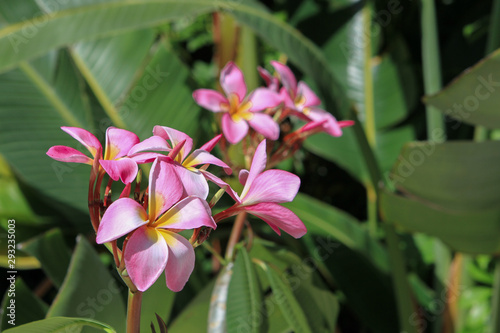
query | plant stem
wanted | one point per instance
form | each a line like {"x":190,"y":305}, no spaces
{"x":400,"y":281}
{"x":370,"y":129}
{"x":235,"y":234}
{"x":495,"y":301}
{"x":134,"y":312}
{"x":432,"y":69}
{"x":435,"y":127}
{"x":482,"y":133}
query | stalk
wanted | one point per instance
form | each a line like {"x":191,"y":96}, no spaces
{"x":134,"y":312}
{"x":482,"y":133}
{"x":495,"y":301}
{"x":435,"y":127}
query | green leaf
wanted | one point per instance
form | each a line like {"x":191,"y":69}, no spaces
{"x":286,"y":301}
{"x":77,"y":20}
{"x":60,"y":324}
{"x":371,"y":299}
{"x":168,"y":99}
{"x":469,"y":231}
{"x":52,"y":252}
{"x":320,"y":306}
{"x":194,"y":317}
{"x":89,"y":290}
{"x":26,"y":307}
{"x":244,"y":301}
{"x":324,"y":220}
{"x":459,"y":174}
{"x":474,"y":96}
{"x":158,"y":300}
{"x":35,"y":100}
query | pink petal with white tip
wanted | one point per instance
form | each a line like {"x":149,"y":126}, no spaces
{"x":210,"y":99}
{"x":180,"y":262}
{"x":263,"y":98}
{"x":278,"y":217}
{"x":123,"y":168}
{"x":85,"y":138}
{"x":272,"y":186}
{"x":119,"y":142}
{"x":311,"y":99}
{"x":68,"y":154}
{"x":259,"y":162}
{"x":165,"y":187}
{"x":287,"y":77}
{"x":232,"y":81}
{"x":234,"y":131}
{"x":123,"y":216}
{"x":154,"y":143}
{"x":146,"y":255}
{"x":189,"y":213}
{"x":265,"y":125}
{"x":203,"y":157}
{"x":175,"y":137}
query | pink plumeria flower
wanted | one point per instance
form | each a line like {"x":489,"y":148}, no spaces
{"x":115,"y":162}
{"x":154,"y":245}
{"x":262,"y":193}
{"x":239,"y":110}
{"x":300,"y":98}
{"x":193,"y":179}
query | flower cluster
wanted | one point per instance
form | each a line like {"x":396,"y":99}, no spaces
{"x":265,"y":108}
{"x":150,"y":222}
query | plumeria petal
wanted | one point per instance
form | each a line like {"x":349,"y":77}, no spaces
{"x":193,"y":181}
{"x":310,"y":98}
{"x":210,"y":99}
{"x":85,"y":138}
{"x":272,"y":186}
{"x":146,"y":255}
{"x":141,"y":158}
{"x":287,"y":100}
{"x":211,"y":144}
{"x":287,"y":78}
{"x":265,"y":125}
{"x":271,"y":81}
{"x":68,"y":154}
{"x":258,"y":165}
{"x":123,"y":216}
{"x":175,"y":138}
{"x":189,"y":213}
{"x":165,"y":187}
{"x":232,"y":81}
{"x":180,"y":262}
{"x":345,"y":123}
{"x":202,"y":157}
{"x":222,"y":184}
{"x":263,"y":98}
{"x":331,"y":126}
{"x":278,"y":217}
{"x":243,"y":176}
{"x":119,"y":142}
{"x":122,"y":168}
{"x":154,"y":143}
{"x":233,"y":131}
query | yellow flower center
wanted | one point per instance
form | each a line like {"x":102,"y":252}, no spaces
{"x":236,"y":110}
